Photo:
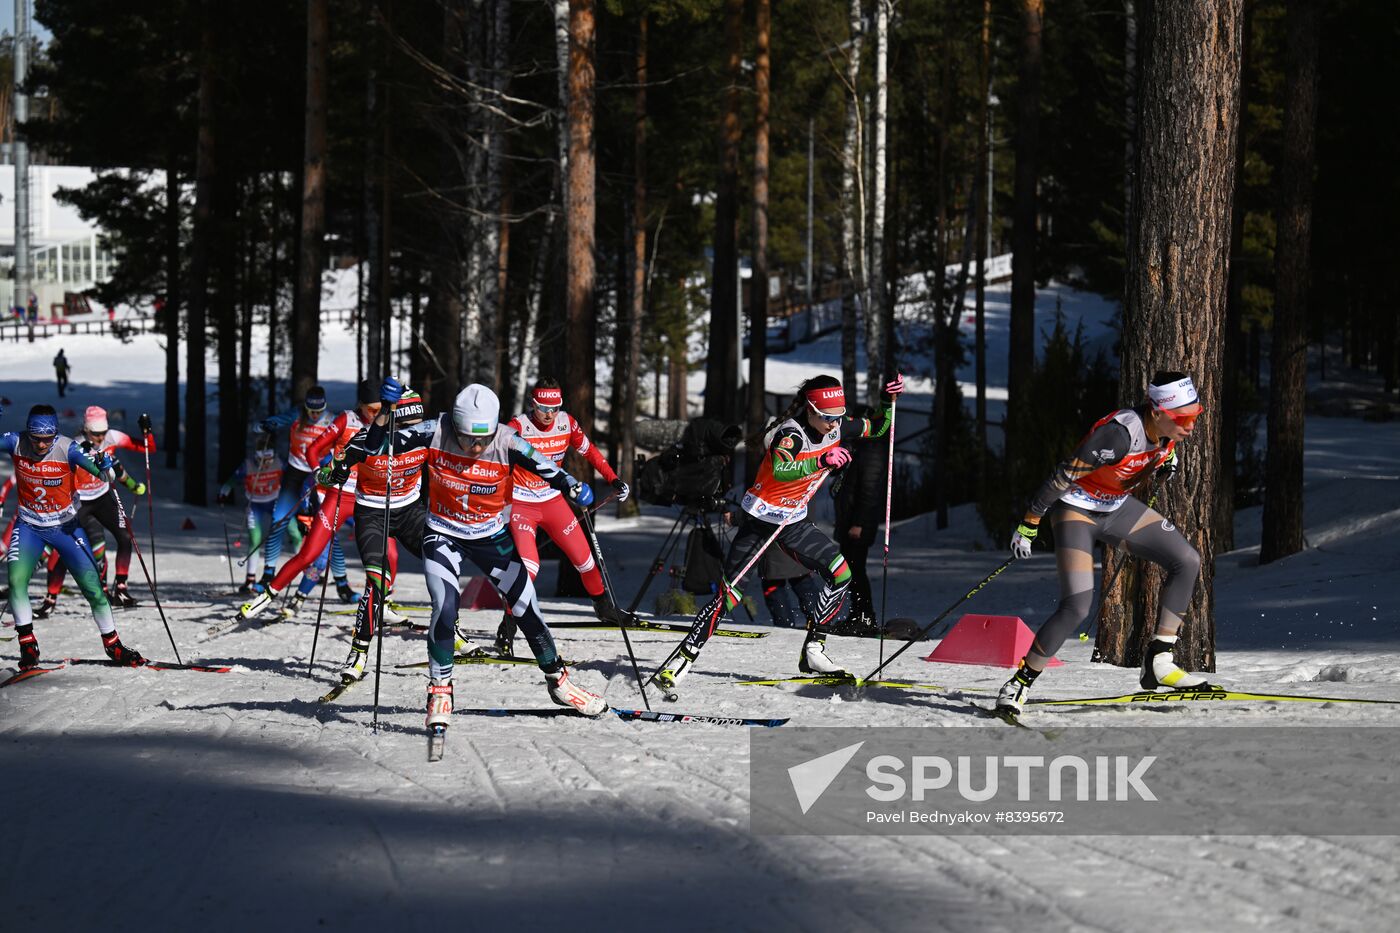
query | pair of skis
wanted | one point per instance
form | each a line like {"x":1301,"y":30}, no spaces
{"x":33,"y":672}
{"x":1140,"y":698}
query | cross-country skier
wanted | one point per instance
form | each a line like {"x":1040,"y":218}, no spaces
{"x":407,"y":513}
{"x":804,"y":442}
{"x":1088,"y":499}
{"x":98,"y":508}
{"x":536,"y":504}
{"x":305,"y":425}
{"x":330,"y":442}
{"x":261,"y":474}
{"x":45,"y":462}
{"x":470,"y":458}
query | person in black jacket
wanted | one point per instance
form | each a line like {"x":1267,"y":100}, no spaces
{"x":860,"y":510}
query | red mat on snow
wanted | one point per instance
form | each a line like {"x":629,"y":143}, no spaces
{"x":993,"y":641}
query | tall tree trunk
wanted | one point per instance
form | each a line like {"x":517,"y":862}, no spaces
{"x":274,"y":289}
{"x":875,"y":334}
{"x":497,"y":197}
{"x":851,"y":248}
{"x":722,"y":361}
{"x":534,"y":302}
{"x":630,"y":351}
{"x":579,"y":364}
{"x":1174,"y":308}
{"x":206,"y":173}
{"x":981,"y":197}
{"x":170,"y":323}
{"x":224,"y":246}
{"x":306,"y":326}
{"x":1288,"y":361}
{"x":251,"y":234}
{"x":501,"y":81}
{"x":1023,"y":225}
{"x":1130,"y":116}
{"x":369,"y":322}
{"x":1234,"y":311}
{"x":758,"y":292}
{"x":440,"y":351}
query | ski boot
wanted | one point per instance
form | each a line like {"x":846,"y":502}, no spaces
{"x":1160,"y":671}
{"x":46,"y":607}
{"x":248,"y":583}
{"x":668,"y":678}
{"x":505,"y":637}
{"x":120,"y":654}
{"x":565,"y":692}
{"x":28,"y":647}
{"x":264,"y":583}
{"x":606,"y":612}
{"x":439,"y":701}
{"x":1015,"y":691}
{"x":815,"y":660}
{"x":393,"y":617}
{"x":343,"y":590}
{"x":293,"y":606}
{"x":354,"y":668}
{"x":121,"y":596}
{"x":464,"y":647}
{"x":254,"y":607}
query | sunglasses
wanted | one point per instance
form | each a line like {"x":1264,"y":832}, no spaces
{"x":829,"y":419}
{"x":1185,"y":421}
{"x":547,"y":409}
{"x":475,"y":440}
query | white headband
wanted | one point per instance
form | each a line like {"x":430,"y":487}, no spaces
{"x":1173,"y":394}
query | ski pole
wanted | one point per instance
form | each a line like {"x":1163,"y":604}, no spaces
{"x":228,"y":548}
{"x":325,"y":578}
{"x":943,"y":615}
{"x":726,"y":585}
{"x":151,"y":505}
{"x":587,"y":523}
{"x":377,"y":615}
{"x":121,"y":510}
{"x":885,"y":564}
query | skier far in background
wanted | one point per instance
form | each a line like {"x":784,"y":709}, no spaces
{"x":376,"y":540}
{"x":536,"y":504}
{"x":261,"y":474}
{"x":45,"y":462}
{"x":1088,"y":499}
{"x":61,"y":369}
{"x":802,"y":443}
{"x":305,"y":425}
{"x":98,"y":508}
{"x":328,"y":443}
{"x":470,"y":459}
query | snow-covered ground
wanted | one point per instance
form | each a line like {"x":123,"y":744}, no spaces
{"x":235,"y":801}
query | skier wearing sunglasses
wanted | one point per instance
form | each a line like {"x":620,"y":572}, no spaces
{"x":1088,"y":499}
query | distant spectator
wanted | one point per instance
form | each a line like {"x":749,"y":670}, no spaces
{"x":860,"y":510}
{"x":61,"y":370}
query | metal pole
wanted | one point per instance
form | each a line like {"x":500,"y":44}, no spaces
{"x":811,"y":161}
{"x":21,"y":159}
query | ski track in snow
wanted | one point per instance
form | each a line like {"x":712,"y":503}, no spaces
{"x":235,"y":801}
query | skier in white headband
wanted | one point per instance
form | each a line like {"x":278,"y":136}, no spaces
{"x":1088,"y":499}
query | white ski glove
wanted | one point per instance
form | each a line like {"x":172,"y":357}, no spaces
{"x":1021,"y":540}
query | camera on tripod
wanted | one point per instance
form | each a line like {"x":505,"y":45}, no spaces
{"x":694,"y":472}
